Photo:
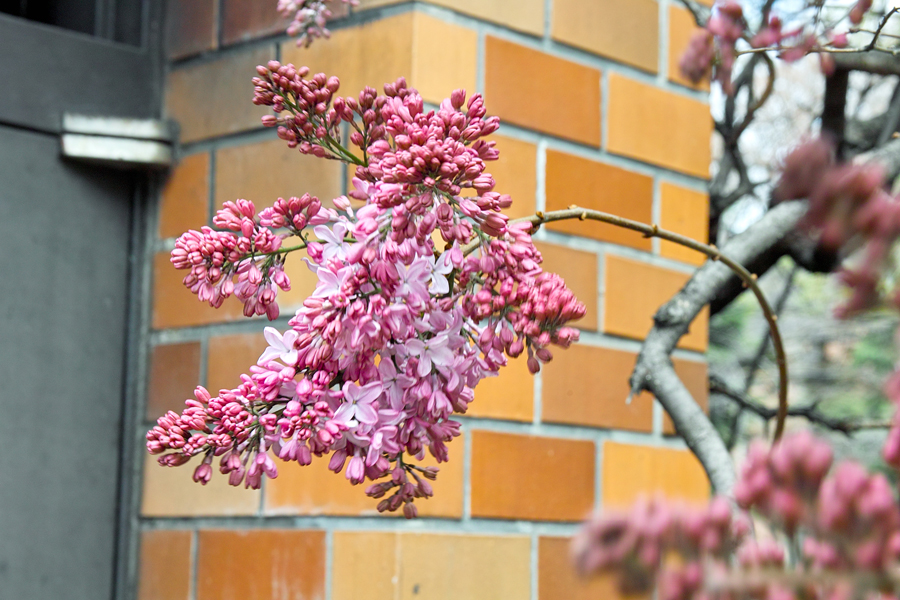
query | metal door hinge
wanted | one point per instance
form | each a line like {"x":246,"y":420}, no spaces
{"x":118,"y":142}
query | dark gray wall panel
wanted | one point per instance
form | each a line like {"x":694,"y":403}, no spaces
{"x":46,"y":71}
{"x":63,"y":284}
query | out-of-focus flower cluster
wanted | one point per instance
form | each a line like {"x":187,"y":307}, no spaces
{"x":712,"y":51}
{"x":308,"y":18}
{"x":849,"y":207}
{"x":423,"y":290}
{"x":842,"y":521}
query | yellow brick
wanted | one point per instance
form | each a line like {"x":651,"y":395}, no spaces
{"x":634,"y":292}
{"x":630,"y":471}
{"x":412,"y":45}
{"x":391,"y":566}
{"x":451,"y":567}
{"x":524,"y":15}
{"x":440,"y":66}
{"x":265,"y":171}
{"x":372,"y":54}
{"x":684,"y":211}
{"x":624,"y":31}
{"x":659,"y":127}
{"x":170,"y":492}
{"x":365,"y":565}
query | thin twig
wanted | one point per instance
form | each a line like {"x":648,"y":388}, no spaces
{"x":749,"y":279}
{"x":810,"y":412}
{"x":764,"y":343}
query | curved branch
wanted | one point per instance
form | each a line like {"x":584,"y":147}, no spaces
{"x":749,"y":279}
{"x":654,"y":372}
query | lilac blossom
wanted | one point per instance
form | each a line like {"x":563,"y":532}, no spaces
{"x":397,"y":333}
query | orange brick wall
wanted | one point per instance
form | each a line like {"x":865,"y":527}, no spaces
{"x":595,"y":114}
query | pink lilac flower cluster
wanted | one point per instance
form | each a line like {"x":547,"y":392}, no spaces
{"x":308,"y":18}
{"x":399,"y":329}
{"x":712,"y":51}
{"x":843,"y":521}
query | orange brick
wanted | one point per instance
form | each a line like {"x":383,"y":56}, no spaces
{"x":410,"y":45}
{"x":516,"y":174}
{"x":266,"y":171}
{"x":185,"y":198}
{"x":524,"y":15}
{"x":174,"y":373}
{"x":695,"y":377}
{"x":684,"y":211}
{"x":587,"y":385}
{"x":624,"y":31}
{"x":165,"y":565}
{"x":630,"y":471}
{"x":388,"y":566}
{"x":579,"y":270}
{"x":510,"y":395}
{"x":215,"y":98}
{"x":175,"y":306}
{"x":558,"y":579}
{"x":634,"y":292}
{"x":314,"y":490}
{"x":594,"y":185}
{"x":528,"y":477}
{"x":516,"y":91}
{"x":260,"y":563}
{"x":190,"y":27}
{"x":659,"y":127}
{"x":170,"y":492}
{"x":229,"y":357}
{"x":681,"y":28}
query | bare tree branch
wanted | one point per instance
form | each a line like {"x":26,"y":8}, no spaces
{"x":810,"y":412}
{"x":654,"y":371}
{"x":870,"y":62}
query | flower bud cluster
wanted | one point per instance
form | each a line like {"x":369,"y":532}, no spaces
{"x":248,"y":263}
{"x":308,"y":18}
{"x":844,"y":523}
{"x":641,"y":546}
{"x":715,"y":48}
{"x":398,"y":331}
{"x":847,"y":202}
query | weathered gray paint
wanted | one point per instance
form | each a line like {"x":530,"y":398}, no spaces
{"x":67,"y":294}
